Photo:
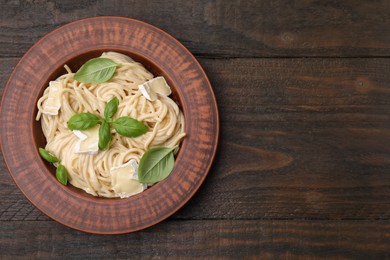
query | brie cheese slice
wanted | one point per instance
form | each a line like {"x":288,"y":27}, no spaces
{"x":147,"y":92}
{"x":89,"y":140}
{"x":53,"y":102}
{"x":155,"y":86}
{"x":124,"y":179}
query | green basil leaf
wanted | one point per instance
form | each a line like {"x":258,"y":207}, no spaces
{"x":96,"y":70}
{"x":111,"y":108}
{"x":48,"y":156}
{"x":83,"y":121}
{"x":155,"y":165}
{"x":104,"y":136}
{"x":62,"y":174}
{"x":129,"y":127}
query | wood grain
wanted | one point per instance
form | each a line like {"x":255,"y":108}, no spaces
{"x":6,"y":67}
{"x":285,"y":123}
{"x":248,"y":239}
{"x":219,"y":28}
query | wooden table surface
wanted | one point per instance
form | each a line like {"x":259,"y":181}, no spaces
{"x":303,"y":163}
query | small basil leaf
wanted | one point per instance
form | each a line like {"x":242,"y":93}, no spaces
{"x":96,"y":70}
{"x":83,"y":121}
{"x":111,"y":108}
{"x":48,"y":156}
{"x":129,"y":127}
{"x":155,"y":165}
{"x":104,"y":136}
{"x":62,"y":174}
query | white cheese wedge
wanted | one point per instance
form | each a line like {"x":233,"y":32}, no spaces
{"x":89,"y":140}
{"x":155,"y":86}
{"x":125,"y":179}
{"x":147,"y":92}
{"x":160,"y":86}
{"x":53,"y":102}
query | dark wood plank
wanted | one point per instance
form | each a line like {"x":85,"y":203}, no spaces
{"x":246,"y":239}
{"x":6,"y":67}
{"x":300,"y":138}
{"x":220,"y":28}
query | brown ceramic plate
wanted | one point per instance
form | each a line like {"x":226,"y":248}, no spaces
{"x":74,"y":44}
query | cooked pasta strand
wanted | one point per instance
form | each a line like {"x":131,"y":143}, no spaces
{"x":92,"y":172}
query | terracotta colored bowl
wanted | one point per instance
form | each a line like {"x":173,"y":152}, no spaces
{"x":74,"y":44}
